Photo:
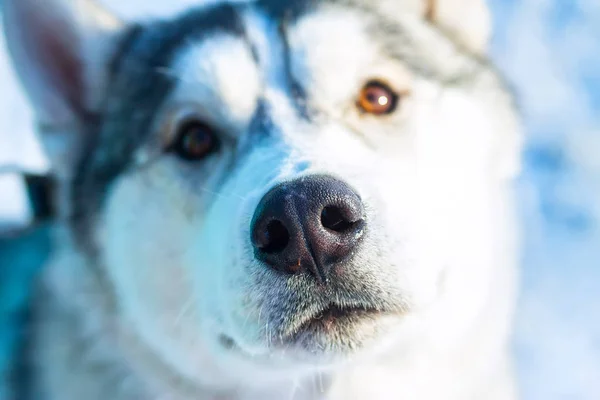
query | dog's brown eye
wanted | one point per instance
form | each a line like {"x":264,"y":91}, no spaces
{"x":377,"y":98}
{"x":195,"y":141}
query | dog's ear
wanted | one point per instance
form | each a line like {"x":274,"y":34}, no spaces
{"x":60,"y":50}
{"x":467,"y":21}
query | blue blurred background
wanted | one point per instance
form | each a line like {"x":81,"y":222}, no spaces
{"x":550,"y":51}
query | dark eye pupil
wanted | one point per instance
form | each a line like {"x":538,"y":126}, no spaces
{"x":195,"y":141}
{"x":378,"y":97}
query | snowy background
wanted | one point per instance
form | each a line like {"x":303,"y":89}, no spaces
{"x":550,"y":51}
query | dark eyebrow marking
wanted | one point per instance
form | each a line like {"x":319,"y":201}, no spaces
{"x":124,"y":48}
{"x":289,"y":10}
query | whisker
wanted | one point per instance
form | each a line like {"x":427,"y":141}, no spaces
{"x":268,"y":333}
{"x":222,"y":194}
{"x":320,"y":382}
{"x":184,"y":310}
{"x":295,"y":388}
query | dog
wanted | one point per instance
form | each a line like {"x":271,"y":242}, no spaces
{"x":272,"y":200}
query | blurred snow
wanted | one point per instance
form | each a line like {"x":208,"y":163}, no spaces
{"x":550,"y":51}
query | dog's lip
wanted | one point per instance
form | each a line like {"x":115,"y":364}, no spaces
{"x":334,"y":311}
{"x":329,"y":317}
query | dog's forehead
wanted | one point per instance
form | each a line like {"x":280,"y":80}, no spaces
{"x":280,"y":54}
{"x":213,"y":47}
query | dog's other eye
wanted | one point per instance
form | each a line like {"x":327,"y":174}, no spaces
{"x":195,"y":141}
{"x":377,"y":98}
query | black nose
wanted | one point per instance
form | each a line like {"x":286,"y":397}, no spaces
{"x":308,"y":225}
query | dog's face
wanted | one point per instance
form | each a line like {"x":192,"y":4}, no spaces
{"x":285,"y":186}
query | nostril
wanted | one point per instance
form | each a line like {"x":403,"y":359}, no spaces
{"x":307,"y":225}
{"x":274,"y":238}
{"x":334,"y":219}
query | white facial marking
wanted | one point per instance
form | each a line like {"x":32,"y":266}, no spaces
{"x":334,"y":56}
{"x":221,"y":78}
{"x":331,"y":53}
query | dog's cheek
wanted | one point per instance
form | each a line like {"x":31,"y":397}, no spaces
{"x":405,"y":230}
{"x":458,"y":200}
{"x":147,"y":232}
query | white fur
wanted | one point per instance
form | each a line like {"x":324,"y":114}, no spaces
{"x":220,"y":80}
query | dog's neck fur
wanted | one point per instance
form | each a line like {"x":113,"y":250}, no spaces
{"x":82,"y":350}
